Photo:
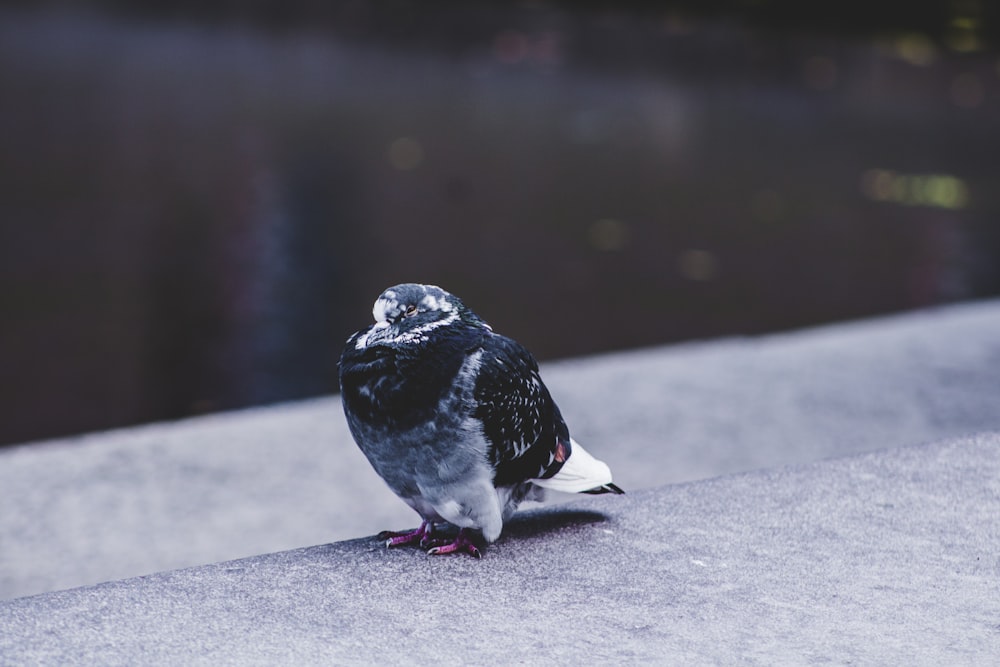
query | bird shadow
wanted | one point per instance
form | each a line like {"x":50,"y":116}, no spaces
{"x":529,"y":524}
{"x":535,"y":523}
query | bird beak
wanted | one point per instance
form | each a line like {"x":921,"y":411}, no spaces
{"x":378,"y":331}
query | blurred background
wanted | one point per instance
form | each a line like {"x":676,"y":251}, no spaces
{"x":200,"y":201}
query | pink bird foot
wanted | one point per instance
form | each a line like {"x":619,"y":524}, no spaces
{"x":462,"y":543}
{"x":421,"y":536}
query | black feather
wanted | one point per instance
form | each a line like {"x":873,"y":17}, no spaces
{"x":520,"y":420}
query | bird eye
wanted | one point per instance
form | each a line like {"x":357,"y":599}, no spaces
{"x":410,"y":311}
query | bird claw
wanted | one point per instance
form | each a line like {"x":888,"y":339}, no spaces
{"x":435,"y":546}
{"x":429,"y":542}
{"x":419,"y":535}
{"x":461,"y":543}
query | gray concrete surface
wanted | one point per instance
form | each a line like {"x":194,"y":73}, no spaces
{"x":163,"y":496}
{"x":890,"y":557}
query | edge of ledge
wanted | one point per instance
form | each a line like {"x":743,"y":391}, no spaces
{"x":870,"y":557}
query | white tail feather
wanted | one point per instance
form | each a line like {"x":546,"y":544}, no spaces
{"x":581,"y":472}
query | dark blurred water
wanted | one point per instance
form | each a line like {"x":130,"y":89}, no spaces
{"x":194,"y":215}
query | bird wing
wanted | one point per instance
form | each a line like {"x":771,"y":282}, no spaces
{"x":527,"y":436}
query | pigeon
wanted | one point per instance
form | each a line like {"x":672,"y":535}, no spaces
{"x":456,"y":419}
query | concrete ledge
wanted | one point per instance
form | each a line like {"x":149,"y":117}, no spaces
{"x":135,"y":501}
{"x":884,"y":558}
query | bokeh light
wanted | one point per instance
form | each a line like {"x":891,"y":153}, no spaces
{"x":963,"y":35}
{"x":916,"y":49}
{"x":936,"y":190}
{"x":698,"y":265}
{"x":405,"y":154}
{"x":608,"y":235}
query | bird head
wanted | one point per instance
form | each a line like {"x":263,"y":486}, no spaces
{"x":407,"y":314}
